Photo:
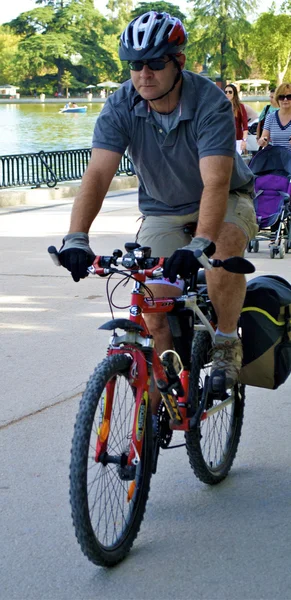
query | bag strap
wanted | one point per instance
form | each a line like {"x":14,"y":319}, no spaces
{"x":287,"y":327}
{"x":262,"y":122}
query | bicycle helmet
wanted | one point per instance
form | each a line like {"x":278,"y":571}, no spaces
{"x":152,"y":35}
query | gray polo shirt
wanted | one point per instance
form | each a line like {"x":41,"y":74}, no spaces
{"x":167,"y":163}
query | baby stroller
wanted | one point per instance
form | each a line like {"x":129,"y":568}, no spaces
{"x":252,"y":144}
{"x":272,"y":169}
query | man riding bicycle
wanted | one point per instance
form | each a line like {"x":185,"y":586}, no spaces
{"x":179,"y":131}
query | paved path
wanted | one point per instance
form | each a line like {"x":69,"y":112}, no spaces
{"x":231,"y":542}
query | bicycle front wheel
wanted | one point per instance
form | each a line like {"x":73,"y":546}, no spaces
{"x":212,"y":445}
{"x":108,"y":501}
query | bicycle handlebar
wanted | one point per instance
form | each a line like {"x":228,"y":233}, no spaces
{"x":137,"y":260}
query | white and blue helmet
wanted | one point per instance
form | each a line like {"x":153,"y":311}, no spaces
{"x":152,"y":35}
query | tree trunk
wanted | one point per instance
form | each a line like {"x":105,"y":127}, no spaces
{"x":61,"y":69}
{"x":223,"y":62}
{"x":282,"y":70}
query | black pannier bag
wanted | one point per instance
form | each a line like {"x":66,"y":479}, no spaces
{"x":266,"y":332}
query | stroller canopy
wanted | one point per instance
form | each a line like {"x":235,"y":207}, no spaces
{"x":270,"y":159}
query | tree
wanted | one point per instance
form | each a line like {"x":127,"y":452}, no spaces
{"x":66,"y":81}
{"x":220,"y":28}
{"x":9,"y":67}
{"x":274,"y":53}
{"x":162,"y":6}
{"x":52,"y":35}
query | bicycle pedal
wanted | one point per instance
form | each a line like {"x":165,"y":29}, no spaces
{"x":217,"y":384}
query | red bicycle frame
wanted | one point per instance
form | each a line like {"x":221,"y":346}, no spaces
{"x":140,"y":378}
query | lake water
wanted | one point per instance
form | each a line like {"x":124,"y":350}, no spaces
{"x":26,"y":128}
{"x":34,"y":127}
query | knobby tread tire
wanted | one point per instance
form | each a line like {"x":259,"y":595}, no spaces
{"x":90,"y":545}
{"x":201,"y":468}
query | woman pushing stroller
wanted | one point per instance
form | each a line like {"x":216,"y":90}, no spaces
{"x":277,"y":126}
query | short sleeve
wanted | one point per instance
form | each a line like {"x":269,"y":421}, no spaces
{"x":268,"y":121}
{"x":216,"y":132}
{"x":111,"y":132}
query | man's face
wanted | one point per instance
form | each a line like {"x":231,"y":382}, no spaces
{"x":150,"y":83}
{"x":272,"y":99}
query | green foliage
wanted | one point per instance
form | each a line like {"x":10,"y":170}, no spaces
{"x":219,"y":29}
{"x":271,"y":45}
{"x":120,"y":14}
{"x":9,"y":68}
{"x":162,"y":6}
{"x":53,"y":34}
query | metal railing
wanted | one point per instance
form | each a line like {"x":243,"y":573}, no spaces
{"x":50,"y":168}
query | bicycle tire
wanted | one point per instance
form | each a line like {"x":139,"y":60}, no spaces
{"x":212,"y":445}
{"x":107,"y":543}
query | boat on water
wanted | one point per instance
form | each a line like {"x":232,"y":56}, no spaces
{"x":73,"y":109}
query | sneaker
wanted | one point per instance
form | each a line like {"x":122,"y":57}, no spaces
{"x":227,"y":354}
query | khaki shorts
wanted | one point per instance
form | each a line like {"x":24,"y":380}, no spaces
{"x":164,"y":233}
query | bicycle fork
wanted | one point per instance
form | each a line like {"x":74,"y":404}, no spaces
{"x":140,"y":380}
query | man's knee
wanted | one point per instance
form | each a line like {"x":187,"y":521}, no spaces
{"x":232,"y":241}
{"x":156,"y":323}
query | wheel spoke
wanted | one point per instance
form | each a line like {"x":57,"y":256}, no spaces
{"x":212,"y":447}
{"x":106,"y":519}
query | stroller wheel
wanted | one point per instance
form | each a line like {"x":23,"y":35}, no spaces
{"x":287,"y":246}
{"x":272,"y":252}
{"x":250,"y":246}
{"x":255,"y":245}
{"x":282,"y":250}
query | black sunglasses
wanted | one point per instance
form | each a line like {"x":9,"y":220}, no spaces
{"x":228,"y":92}
{"x":282,"y":97}
{"x":155,"y":64}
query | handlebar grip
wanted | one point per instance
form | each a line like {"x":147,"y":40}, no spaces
{"x":54,"y":255}
{"x":202,"y":258}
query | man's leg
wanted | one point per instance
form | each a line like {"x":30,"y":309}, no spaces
{"x":164,"y":234}
{"x":227,"y":292}
{"x":160,"y":330}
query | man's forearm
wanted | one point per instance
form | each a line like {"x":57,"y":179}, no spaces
{"x":212,"y":211}
{"x":95,"y":183}
{"x":87,"y":204}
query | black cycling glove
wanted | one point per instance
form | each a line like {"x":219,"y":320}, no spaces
{"x":183,"y":261}
{"x":76,"y":254}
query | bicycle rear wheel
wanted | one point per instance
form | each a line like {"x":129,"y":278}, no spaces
{"x":108,"y":503}
{"x":212,"y":445}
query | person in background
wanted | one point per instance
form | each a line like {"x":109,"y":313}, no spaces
{"x":268,"y":109}
{"x":240,"y":116}
{"x":277,"y":126}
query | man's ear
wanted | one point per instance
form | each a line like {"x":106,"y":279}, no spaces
{"x":181,"y":58}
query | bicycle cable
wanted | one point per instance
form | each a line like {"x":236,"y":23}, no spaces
{"x":176,"y":446}
{"x":125,"y":281}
